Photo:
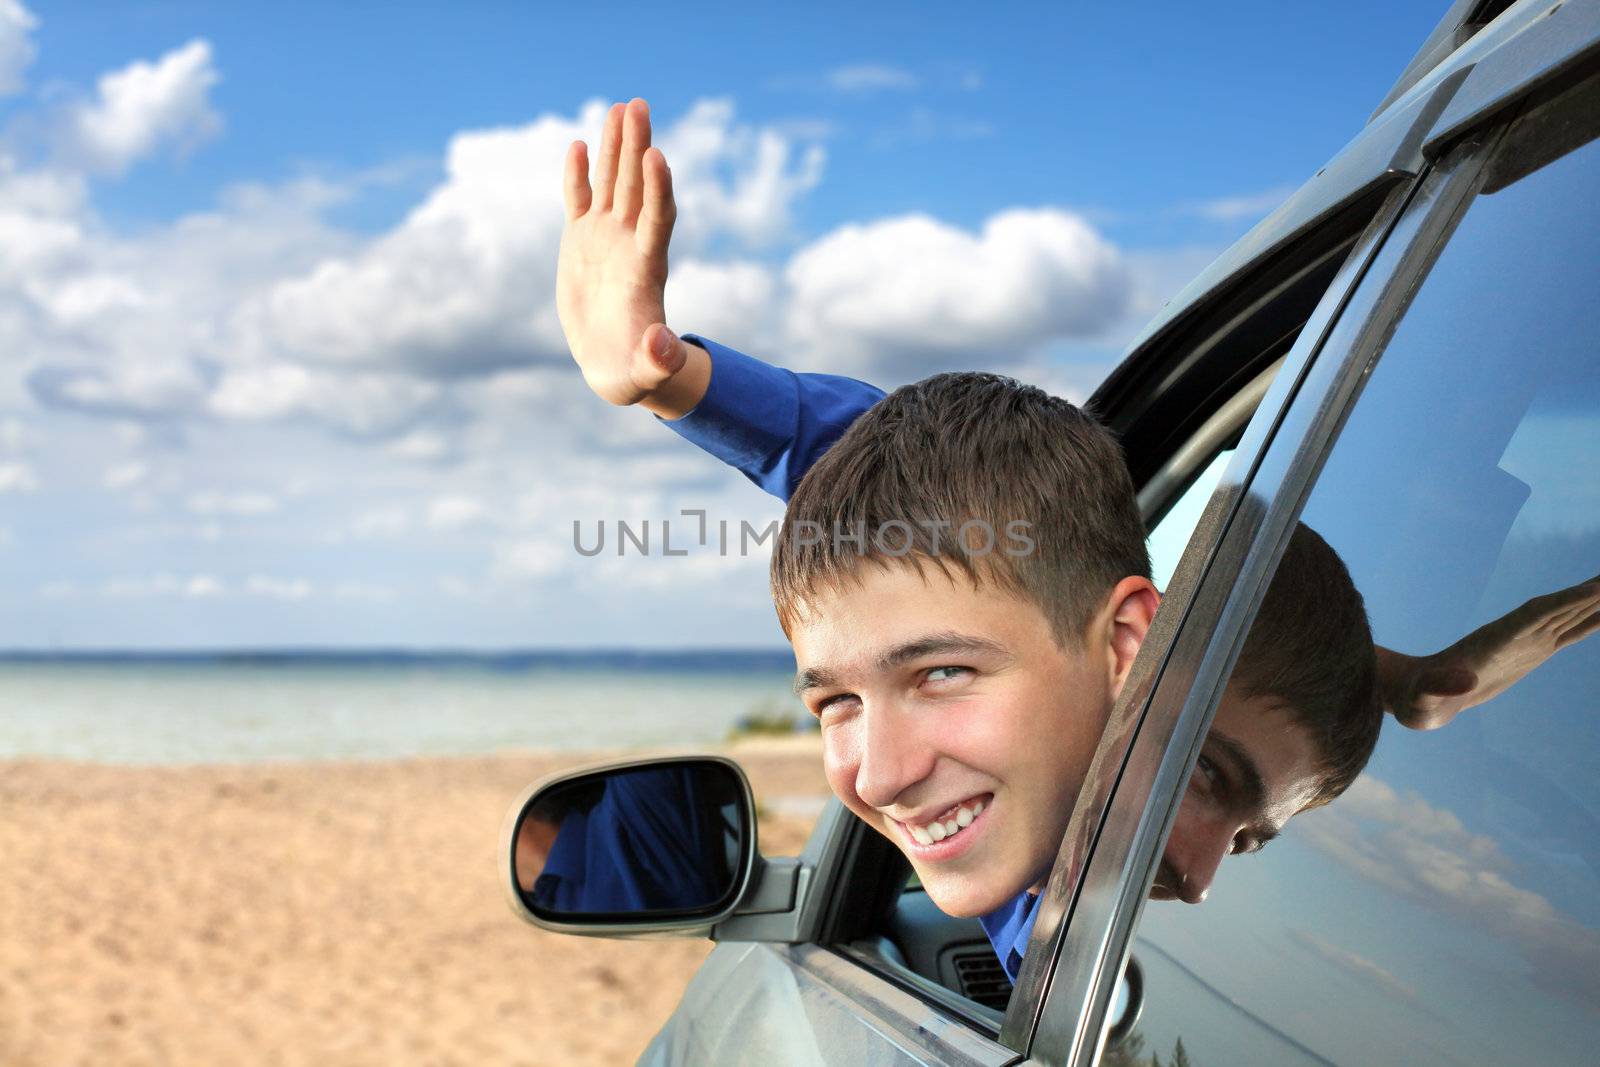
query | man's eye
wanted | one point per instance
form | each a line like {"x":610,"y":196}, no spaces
{"x":946,"y":674}
{"x":832,"y":702}
{"x":1208,"y":770}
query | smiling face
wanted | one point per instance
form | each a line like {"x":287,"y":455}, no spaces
{"x":954,"y":724}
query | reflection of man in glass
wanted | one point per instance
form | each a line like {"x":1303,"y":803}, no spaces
{"x":1286,"y":737}
{"x":644,"y":840}
{"x":1426,"y":692}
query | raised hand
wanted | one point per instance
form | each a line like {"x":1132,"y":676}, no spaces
{"x":1426,"y":692}
{"x":612,"y":272}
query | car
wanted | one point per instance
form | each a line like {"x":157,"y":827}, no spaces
{"x":1404,"y":356}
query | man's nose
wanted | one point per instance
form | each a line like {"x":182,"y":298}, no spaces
{"x":894,"y":756}
{"x":1194,"y":852}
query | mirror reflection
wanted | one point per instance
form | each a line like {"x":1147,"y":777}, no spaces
{"x":663,"y":840}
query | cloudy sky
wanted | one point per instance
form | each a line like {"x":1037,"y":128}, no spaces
{"x":279,"y":361}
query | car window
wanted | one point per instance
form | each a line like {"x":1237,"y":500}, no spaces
{"x":1443,"y":909}
{"x":1170,"y":535}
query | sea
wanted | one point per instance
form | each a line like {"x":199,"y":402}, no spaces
{"x":249,"y":707}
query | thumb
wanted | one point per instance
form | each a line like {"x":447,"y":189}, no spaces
{"x":664,"y":350}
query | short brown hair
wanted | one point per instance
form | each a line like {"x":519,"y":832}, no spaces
{"x":911,"y":479}
{"x":1310,"y":648}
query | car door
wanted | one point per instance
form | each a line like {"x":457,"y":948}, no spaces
{"x":1443,"y":437}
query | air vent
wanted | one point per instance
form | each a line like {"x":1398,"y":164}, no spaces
{"x":981,"y":978}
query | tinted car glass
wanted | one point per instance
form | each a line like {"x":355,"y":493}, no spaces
{"x":1444,"y":909}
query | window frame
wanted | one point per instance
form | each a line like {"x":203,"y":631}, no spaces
{"x":1219,"y":586}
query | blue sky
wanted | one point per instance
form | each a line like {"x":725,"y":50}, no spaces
{"x":278,"y":363}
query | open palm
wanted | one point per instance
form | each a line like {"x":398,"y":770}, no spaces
{"x":1429,"y":691}
{"x":612,"y":271}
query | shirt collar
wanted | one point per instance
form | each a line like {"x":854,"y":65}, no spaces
{"x":1009,"y":927}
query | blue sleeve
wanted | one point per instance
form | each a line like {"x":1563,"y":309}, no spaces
{"x":644,"y":846}
{"x":769,"y":423}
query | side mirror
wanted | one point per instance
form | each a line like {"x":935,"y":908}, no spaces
{"x":664,"y":845}
{"x":1127,"y":1004}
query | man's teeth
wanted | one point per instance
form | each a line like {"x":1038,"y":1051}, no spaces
{"x":938,"y":830}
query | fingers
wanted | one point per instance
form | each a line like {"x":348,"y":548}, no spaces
{"x":1580,"y":631}
{"x":1577,"y":609}
{"x":605,"y":164}
{"x":660,"y":210}
{"x":635,"y":139}
{"x":575,"y":184}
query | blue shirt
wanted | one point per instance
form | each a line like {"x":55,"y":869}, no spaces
{"x":643,"y":845}
{"x":772,"y":424}
{"x":1009,"y":926}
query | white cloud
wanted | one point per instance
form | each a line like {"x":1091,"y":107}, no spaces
{"x":16,"y":47}
{"x":446,"y":293}
{"x":137,"y":587}
{"x":422,"y":445}
{"x":380,"y":524}
{"x":17,"y":478}
{"x":913,"y":295}
{"x":291,"y":589}
{"x":455,"y":512}
{"x":144,"y":106}
{"x":529,"y":560}
{"x":201,"y":586}
{"x":734,"y":179}
{"x":148,"y":327}
{"x":238,"y":503}
{"x":869,"y":77}
{"x":125,"y":475}
{"x":363,"y":404}
{"x":256,"y":341}
{"x":734,"y":302}
{"x":1423,"y":853}
{"x":364,"y":592}
{"x":1365,"y":970}
{"x":41,"y":223}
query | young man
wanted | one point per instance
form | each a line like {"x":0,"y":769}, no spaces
{"x":1259,"y":762}
{"x":963,"y":577}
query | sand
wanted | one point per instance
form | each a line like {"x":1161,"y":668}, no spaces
{"x":328,"y":913}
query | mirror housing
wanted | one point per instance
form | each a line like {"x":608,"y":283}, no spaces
{"x":662,"y":846}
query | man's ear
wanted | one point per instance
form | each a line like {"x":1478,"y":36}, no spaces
{"x":1128,"y":610}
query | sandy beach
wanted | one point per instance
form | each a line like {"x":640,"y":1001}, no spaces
{"x":316,"y":913}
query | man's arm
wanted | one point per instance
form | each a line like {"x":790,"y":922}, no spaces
{"x":1426,"y":692}
{"x":769,"y":423}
